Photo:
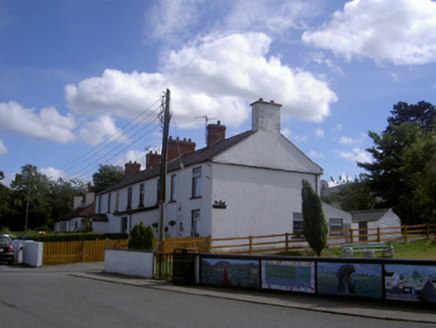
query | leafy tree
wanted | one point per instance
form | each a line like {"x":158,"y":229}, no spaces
{"x":142,"y":237}
{"x":2,"y":175}
{"x":314,"y":223}
{"x":423,"y":113}
{"x":402,"y":173}
{"x":107,"y":176}
{"x":353,"y":196}
{"x":33,"y":189}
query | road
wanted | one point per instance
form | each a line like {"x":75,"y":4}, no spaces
{"x":55,"y":298}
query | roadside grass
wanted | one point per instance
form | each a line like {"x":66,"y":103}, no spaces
{"x":415,"y":250}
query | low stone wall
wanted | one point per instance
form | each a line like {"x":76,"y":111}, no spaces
{"x":137,"y":263}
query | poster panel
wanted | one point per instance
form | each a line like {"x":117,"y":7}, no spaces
{"x":230,"y":272}
{"x":410,"y":282}
{"x":289,"y":275}
{"x":351,"y":279}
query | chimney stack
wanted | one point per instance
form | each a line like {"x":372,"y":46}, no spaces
{"x":131,"y":168}
{"x":152,"y":159}
{"x":215,"y":133}
{"x":265,"y":116}
{"x":177,"y":147}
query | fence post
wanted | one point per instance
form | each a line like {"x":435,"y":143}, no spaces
{"x":378,"y":235}
{"x":287,"y":242}
{"x":250,"y":243}
{"x":428,"y":230}
{"x":351,"y":236}
{"x":405,"y":234}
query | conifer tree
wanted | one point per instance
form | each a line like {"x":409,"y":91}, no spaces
{"x":314,"y":223}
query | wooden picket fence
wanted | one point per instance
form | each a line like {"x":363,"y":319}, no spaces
{"x":78,"y":251}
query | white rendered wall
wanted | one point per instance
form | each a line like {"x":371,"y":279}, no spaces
{"x":259,"y":201}
{"x":32,"y":253}
{"x":135,"y":263}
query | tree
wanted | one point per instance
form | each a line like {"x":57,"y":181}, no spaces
{"x":142,"y":237}
{"x":33,"y":188}
{"x":401,"y":174}
{"x":314,"y":223}
{"x":423,"y":113}
{"x":107,"y":176}
{"x":353,"y":196}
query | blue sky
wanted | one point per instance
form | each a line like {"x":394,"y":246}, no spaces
{"x":73,"y":73}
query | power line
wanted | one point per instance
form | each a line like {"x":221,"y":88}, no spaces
{"x":107,"y":141}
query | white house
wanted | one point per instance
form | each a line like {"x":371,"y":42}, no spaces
{"x":75,"y":221}
{"x":367,"y":222}
{"x":249,"y":184}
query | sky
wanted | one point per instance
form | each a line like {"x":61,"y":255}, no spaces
{"x":81,"y":82}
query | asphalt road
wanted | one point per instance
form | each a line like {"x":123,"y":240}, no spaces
{"x":55,"y":297}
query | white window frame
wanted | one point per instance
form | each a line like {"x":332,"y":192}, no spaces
{"x":196,"y":182}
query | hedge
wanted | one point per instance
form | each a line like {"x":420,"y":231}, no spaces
{"x":80,"y":237}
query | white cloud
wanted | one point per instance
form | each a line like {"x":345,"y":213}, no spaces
{"x":99,"y":130}
{"x":337,"y":128}
{"x":214,"y":76}
{"x":134,"y":156}
{"x":344,"y":140}
{"x":319,"y":133}
{"x":316,"y":154}
{"x":355,"y":155}
{"x":54,"y":174}
{"x":401,"y":33}
{"x":47,"y":124}
{"x":174,"y":21}
{"x":3,"y":148}
{"x":171,"y":19}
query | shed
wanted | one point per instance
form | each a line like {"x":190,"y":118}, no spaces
{"x":366,"y":222}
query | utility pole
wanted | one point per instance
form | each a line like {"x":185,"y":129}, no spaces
{"x":165,"y":119}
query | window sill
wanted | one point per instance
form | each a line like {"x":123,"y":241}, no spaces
{"x":195,"y":197}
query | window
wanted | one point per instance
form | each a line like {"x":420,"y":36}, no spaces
{"x":124,"y":224}
{"x":117,"y":201}
{"x":173,"y":188}
{"x":129,"y":198}
{"x":335,"y":226}
{"x":297,"y":223}
{"x":196,"y":182}
{"x":109,"y":196}
{"x":195,"y":223}
{"x":141,"y":195}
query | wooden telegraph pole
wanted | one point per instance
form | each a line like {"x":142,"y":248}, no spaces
{"x":163,"y":166}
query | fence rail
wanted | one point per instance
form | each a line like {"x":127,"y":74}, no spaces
{"x":288,"y":242}
{"x":93,"y":251}
{"x":78,"y":251}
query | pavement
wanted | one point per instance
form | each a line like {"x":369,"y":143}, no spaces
{"x":386,"y":310}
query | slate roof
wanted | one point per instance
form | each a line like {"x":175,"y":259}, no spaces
{"x":199,"y":156}
{"x":368,"y":216}
{"x":82,"y":212}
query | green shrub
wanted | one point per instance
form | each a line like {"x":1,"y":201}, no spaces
{"x":142,"y":237}
{"x":314,"y":223}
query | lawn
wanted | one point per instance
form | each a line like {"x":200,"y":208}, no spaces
{"x":415,"y":250}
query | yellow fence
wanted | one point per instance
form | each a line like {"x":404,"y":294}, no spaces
{"x":93,"y":251}
{"x":78,"y":251}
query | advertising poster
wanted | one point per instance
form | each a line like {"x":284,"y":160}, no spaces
{"x":410,"y":282}
{"x":289,"y":275}
{"x":230,"y":273}
{"x":351,"y":279}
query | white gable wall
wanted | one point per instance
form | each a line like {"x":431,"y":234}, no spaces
{"x":259,"y":201}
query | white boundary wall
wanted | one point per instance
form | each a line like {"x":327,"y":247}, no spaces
{"x":136,"y":263}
